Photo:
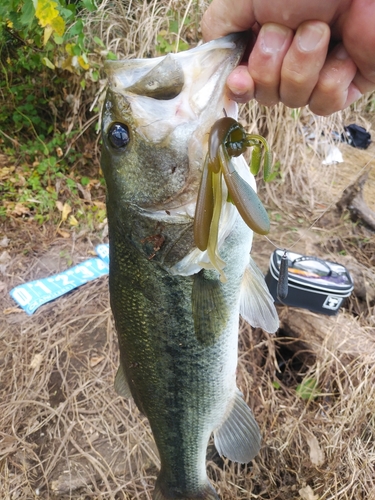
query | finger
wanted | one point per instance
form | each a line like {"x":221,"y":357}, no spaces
{"x":292,"y":13}
{"x":266,"y":60}
{"x":222,"y":18}
{"x":303,"y":62}
{"x":358,"y":35}
{"x":240,"y":85}
{"x":335,"y":90}
{"x":363,"y":84}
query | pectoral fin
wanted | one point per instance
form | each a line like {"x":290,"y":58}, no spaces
{"x":239,"y":437}
{"x":208,"y":308}
{"x":256,"y":303}
{"x":121,"y":384}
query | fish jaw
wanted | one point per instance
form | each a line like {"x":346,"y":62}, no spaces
{"x":161,"y":167}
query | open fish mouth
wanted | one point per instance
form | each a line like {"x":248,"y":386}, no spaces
{"x":166,"y":102}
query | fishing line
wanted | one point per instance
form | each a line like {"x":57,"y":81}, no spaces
{"x":282,"y":283}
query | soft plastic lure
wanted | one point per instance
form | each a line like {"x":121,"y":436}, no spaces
{"x":228,"y":139}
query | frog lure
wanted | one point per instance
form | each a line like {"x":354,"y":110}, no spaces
{"x":229,"y":139}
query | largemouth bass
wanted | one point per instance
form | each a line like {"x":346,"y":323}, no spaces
{"x":176,"y":314}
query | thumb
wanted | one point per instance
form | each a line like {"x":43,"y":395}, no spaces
{"x":225,"y":16}
{"x":359,"y":40}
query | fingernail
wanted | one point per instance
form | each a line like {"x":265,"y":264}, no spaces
{"x":237,"y":92}
{"x":353,"y":95}
{"x":239,"y":95}
{"x":341,"y":53}
{"x":309,"y":37}
{"x":272,"y":38}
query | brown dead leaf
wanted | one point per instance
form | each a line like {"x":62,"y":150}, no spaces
{"x":85,"y":192}
{"x":5,"y":172}
{"x":20,"y":209}
{"x":62,"y":233}
{"x":5,"y":260}
{"x":99,"y":204}
{"x":95,"y":360}
{"x":9,"y":444}
{"x":5,"y":257}
{"x":36,"y":361}
{"x":4,"y":242}
{"x":316,"y":453}
{"x":59,"y":206}
{"x":12,"y":310}
{"x":3,"y":159}
{"x":308,"y":494}
{"x":65,"y":211}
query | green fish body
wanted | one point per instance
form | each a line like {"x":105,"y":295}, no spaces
{"x":177,"y":322}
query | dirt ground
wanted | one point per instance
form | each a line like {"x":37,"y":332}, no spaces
{"x":64,"y":433}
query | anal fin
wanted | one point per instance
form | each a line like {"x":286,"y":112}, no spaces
{"x":238,"y":438}
{"x":121,"y":384}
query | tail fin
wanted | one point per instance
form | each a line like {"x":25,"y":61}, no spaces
{"x":163,"y":492}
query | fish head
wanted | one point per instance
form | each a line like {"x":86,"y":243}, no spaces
{"x":156,"y":122}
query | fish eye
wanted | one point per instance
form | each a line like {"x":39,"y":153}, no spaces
{"x":118,"y":135}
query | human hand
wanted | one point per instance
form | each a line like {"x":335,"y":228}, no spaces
{"x":291,"y":60}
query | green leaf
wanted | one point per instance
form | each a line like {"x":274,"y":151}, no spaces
{"x":182,"y":46}
{"x":58,"y":39}
{"x":68,"y":14}
{"x":85,"y":181}
{"x":308,"y":389}
{"x":99,"y":41}
{"x":173,"y":26}
{"x":71,"y":7}
{"x":76,"y":29}
{"x":111,"y":56}
{"x":95,"y":76}
{"x":48,"y":63}
{"x":28,"y":13}
{"x":89,"y":5}
{"x":76,"y":50}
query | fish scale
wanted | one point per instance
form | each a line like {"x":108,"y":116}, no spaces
{"x":169,"y":371}
{"x":177,"y":322}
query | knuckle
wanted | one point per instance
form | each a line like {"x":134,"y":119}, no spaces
{"x":328,"y":84}
{"x":263,"y":78}
{"x":324,"y":104}
{"x":294,"y":77}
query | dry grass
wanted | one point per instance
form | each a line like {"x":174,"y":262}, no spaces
{"x":63,"y":431}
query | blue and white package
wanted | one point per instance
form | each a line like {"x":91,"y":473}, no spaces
{"x":32,"y":295}
{"x":103,"y":252}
